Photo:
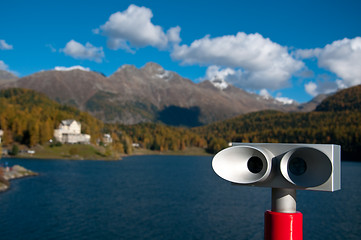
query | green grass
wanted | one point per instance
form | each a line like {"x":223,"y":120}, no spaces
{"x":71,"y":151}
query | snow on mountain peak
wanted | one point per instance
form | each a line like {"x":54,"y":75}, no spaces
{"x":60,"y":68}
{"x":219,"y":83}
{"x":285,"y":100}
{"x":157,"y":71}
{"x":217,"y":76}
{"x":163,"y":74}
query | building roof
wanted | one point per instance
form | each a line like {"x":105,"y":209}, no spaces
{"x":68,"y":122}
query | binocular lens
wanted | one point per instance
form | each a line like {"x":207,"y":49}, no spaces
{"x":297,"y":166}
{"x":255,"y":164}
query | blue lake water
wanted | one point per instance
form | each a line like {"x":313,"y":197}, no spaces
{"x":160,"y":197}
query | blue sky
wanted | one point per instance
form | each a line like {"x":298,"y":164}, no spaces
{"x":286,"y":49}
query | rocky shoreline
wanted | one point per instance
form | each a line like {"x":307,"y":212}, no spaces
{"x":15,"y":172}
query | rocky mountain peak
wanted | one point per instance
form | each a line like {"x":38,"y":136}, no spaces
{"x":155,"y":70}
{"x":127,"y":67}
{"x":5,"y":75}
{"x":152,"y":66}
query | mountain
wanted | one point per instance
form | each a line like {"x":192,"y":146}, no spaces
{"x":165,"y":95}
{"x":6,"y":77}
{"x":311,"y":105}
{"x":72,"y":87}
{"x":149,"y":94}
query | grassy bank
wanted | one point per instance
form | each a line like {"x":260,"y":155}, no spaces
{"x":94,"y":152}
{"x":70,"y":151}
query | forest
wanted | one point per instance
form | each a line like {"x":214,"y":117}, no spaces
{"x":342,"y":128}
{"x":28,"y":118}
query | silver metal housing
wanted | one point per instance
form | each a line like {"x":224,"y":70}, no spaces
{"x":293,"y":166}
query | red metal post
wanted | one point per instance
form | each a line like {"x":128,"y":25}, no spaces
{"x":283,"y":226}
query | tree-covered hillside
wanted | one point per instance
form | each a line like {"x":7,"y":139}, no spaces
{"x":160,"y":137}
{"x":29,"y":118}
{"x":278,"y":127}
{"x":346,"y":99}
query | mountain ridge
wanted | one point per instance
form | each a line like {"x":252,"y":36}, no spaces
{"x":133,"y":95}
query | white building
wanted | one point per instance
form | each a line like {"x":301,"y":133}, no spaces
{"x":107,"y":139}
{"x":69,"y":131}
{"x":1,"y":134}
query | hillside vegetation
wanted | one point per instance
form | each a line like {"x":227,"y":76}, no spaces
{"x":341,"y":128}
{"x":160,"y":137}
{"x":346,"y":99}
{"x":29,"y":118}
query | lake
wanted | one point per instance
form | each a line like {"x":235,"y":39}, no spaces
{"x":160,"y":197}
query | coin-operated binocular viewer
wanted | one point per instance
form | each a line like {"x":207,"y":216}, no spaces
{"x":284,"y":168}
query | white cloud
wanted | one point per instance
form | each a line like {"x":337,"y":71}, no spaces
{"x":324,"y":86}
{"x":215,"y":72}
{"x":222,"y":76}
{"x":341,"y":84}
{"x":284,"y":100}
{"x":258,"y":62}
{"x":133,"y":28}
{"x":173,"y":35}
{"x":343,"y":57}
{"x":4,"y":45}
{"x":96,"y":31}
{"x":52,"y":49}
{"x":3,"y":66}
{"x":61,"y":68}
{"x":307,"y":53}
{"x":79,"y":51}
{"x":219,"y":76}
{"x":264,"y":93}
{"x":311,"y":88}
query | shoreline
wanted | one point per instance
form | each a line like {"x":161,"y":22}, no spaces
{"x":10,"y":173}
